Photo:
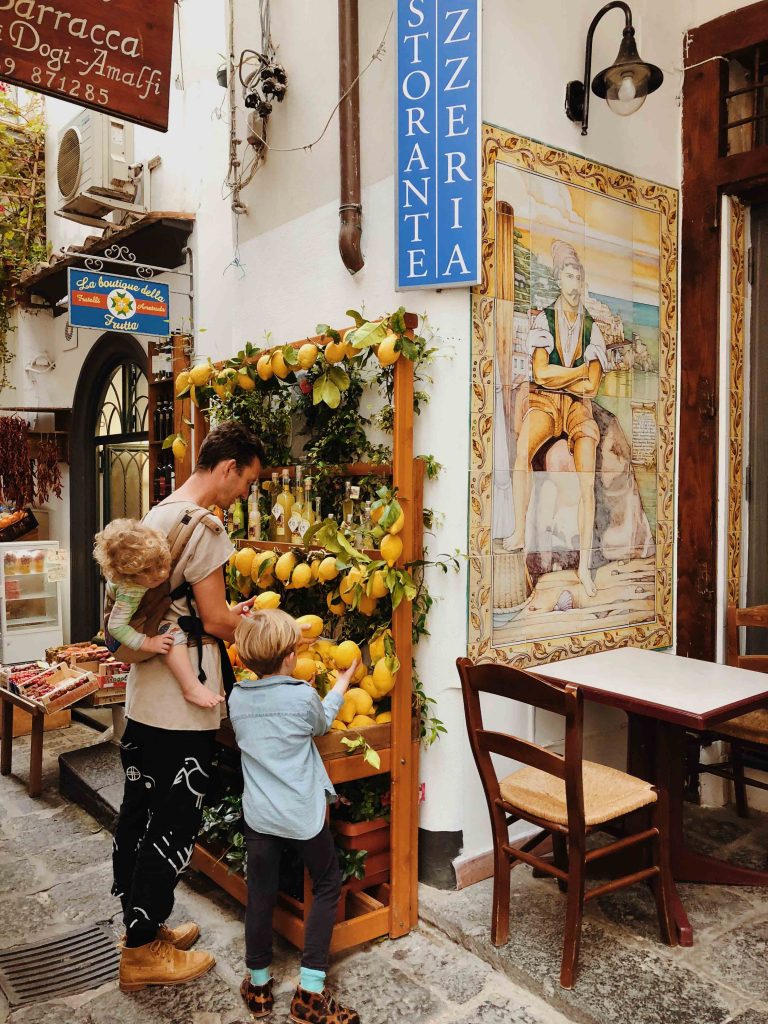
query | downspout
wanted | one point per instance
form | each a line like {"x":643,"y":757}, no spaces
{"x":350,"y":207}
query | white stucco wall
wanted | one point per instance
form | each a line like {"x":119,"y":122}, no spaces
{"x":293,"y":277}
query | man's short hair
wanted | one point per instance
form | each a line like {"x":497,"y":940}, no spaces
{"x":230,"y":440}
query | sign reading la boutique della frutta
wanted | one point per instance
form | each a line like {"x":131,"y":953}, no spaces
{"x":111,"y":55}
{"x":438,"y":143}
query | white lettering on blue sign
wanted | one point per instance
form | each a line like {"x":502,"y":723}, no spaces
{"x":438,"y":143}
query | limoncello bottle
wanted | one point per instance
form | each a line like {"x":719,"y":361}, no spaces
{"x":297,"y":508}
{"x":283,"y":503}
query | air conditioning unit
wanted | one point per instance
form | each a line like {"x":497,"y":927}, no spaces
{"x":93,"y":167}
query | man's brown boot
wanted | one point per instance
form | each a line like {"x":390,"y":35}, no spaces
{"x":160,"y":963}
{"x":182,"y":937}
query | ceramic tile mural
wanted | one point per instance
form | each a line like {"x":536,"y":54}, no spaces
{"x":573,"y":407}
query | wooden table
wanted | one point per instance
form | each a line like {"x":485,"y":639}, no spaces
{"x":663,"y":695}
{"x":8,"y":700}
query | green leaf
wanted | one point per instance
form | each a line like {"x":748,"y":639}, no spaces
{"x":354,"y":315}
{"x":290,"y":355}
{"x":317,"y":389}
{"x":391,"y":514}
{"x":339,"y":377}
{"x":169,"y":441}
{"x":372,"y":758}
{"x":368,"y":334}
{"x":328,"y":332}
{"x":409,"y":349}
{"x":331,"y":394}
{"x":397,"y":321}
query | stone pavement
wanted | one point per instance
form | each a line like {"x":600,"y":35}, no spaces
{"x":55,"y":874}
{"x":626,"y":973}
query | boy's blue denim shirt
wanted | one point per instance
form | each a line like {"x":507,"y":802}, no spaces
{"x":287,"y":788}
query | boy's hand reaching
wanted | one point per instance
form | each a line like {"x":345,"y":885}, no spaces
{"x":160,"y":644}
{"x":343,"y":679}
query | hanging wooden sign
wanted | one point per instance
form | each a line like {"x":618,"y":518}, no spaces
{"x":110,"y":55}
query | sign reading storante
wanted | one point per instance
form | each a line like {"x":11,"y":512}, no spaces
{"x":438,"y":143}
{"x":110,"y":302}
{"x":111,"y":55}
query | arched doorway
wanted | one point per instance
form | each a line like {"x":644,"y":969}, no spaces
{"x":109,"y":465}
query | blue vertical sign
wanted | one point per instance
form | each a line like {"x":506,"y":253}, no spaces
{"x":438,"y":143}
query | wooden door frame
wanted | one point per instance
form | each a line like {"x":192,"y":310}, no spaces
{"x":707,"y":176}
{"x":107,"y":354}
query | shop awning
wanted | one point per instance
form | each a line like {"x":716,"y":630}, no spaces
{"x":157,"y":240}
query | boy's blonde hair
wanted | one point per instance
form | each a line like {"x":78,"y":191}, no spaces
{"x":126,"y":548}
{"x":265,"y":639}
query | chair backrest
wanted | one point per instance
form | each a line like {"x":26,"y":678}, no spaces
{"x":515,"y":684}
{"x":756,"y":617}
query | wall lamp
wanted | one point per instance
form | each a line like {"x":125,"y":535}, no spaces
{"x":624,"y":85}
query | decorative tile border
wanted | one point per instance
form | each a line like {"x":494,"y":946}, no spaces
{"x":736,"y":399}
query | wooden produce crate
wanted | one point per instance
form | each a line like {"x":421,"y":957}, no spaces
{"x":57,"y":699}
{"x":22,"y":722}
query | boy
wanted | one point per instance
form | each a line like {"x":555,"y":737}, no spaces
{"x":285,"y":799}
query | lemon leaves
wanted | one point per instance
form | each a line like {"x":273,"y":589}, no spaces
{"x":330,"y":384}
{"x":359,"y":745}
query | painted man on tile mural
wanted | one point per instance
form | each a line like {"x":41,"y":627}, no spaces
{"x":568,"y":358}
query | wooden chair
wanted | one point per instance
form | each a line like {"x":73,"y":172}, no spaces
{"x":563,"y":796}
{"x":747,"y":734}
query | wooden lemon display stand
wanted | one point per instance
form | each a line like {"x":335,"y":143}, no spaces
{"x":387,"y":908}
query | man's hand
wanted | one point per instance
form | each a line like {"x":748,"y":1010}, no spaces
{"x":160,"y":644}
{"x":243,"y":608}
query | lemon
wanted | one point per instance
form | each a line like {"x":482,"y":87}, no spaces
{"x":327,"y":570}
{"x":391,"y":549}
{"x":200,"y":375}
{"x":376,"y":648}
{"x":286,"y":563}
{"x":360,"y":700}
{"x":383,"y":678}
{"x":232,"y":559}
{"x":262,"y":565}
{"x":179,"y":447}
{"x":323,"y":647}
{"x":368,"y":686}
{"x":384,"y":718}
{"x":182,"y":382}
{"x":362,"y":722}
{"x":360,"y":672}
{"x":336,"y":605}
{"x":224,"y":382}
{"x":338,"y":724}
{"x":266,"y":581}
{"x":334,"y":352}
{"x":386,"y":353}
{"x":302,"y":576}
{"x":398,"y":524}
{"x":279,"y":365}
{"x":315,"y":624}
{"x":304,"y":668}
{"x":377,"y":584}
{"x":315,"y":567}
{"x":346,"y":654}
{"x":346,"y":587}
{"x":366,"y":605}
{"x":348,"y":711}
{"x":244,"y":380}
{"x":244,"y":561}
{"x":245,"y":585}
{"x":307,"y":355}
{"x":377,"y":513}
{"x":350,"y":352}
{"x":267,"y":599}
{"x":264,"y":367}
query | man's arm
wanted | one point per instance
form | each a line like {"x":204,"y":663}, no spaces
{"x":211,"y":599}
{"x":588,"y":386}
{"x":556,"y":378}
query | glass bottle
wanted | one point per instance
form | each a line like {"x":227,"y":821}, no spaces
{"x":297,"y":508}
{"x":284,"y":503}
{"x":347,"y":505}
{"x":275,"y":510}
{"x":254,"y":513}
{"x":366,"y":525}
{"x":318,"y":510}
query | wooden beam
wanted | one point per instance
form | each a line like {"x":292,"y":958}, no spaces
{"x":728,"y":34}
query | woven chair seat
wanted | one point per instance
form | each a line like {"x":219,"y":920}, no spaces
{"x":752,"y":727}
{"x":608,"y":794}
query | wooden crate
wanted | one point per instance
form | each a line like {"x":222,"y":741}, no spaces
{"x":22,"y":722}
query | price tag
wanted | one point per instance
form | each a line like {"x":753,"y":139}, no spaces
{"x":57,"y":565}
{"x":303,"y":527}
{"x":294,"y":523}
{"x":354,"y":493}
{"x":277,"y":512}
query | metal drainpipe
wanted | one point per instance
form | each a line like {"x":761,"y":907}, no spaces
{"x":350,"y":208}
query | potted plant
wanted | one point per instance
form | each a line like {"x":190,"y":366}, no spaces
{"x":361,"y":823}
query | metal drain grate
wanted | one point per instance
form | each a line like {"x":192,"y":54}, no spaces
{"x":69,"y":963}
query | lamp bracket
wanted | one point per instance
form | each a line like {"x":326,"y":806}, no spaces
{"x":577,"y":93}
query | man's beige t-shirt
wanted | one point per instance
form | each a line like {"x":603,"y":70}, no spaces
{"x":153,"y":695}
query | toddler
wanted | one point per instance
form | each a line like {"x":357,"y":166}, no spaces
{"x":285,"y":799}
{"x":135,"y":558}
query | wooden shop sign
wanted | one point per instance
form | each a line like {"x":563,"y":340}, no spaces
{"x":110,"y":55}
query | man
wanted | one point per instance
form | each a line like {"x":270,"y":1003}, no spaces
{"x":568,"y":357}
{"x":169,"y":743}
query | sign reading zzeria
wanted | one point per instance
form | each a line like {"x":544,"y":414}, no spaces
{"x":111,"y":55}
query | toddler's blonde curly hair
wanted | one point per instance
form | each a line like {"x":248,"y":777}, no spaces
{"x":126,"y":548}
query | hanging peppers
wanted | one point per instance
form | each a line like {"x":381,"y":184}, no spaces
{"x":16,"y":478}
{"x":47,"y":472}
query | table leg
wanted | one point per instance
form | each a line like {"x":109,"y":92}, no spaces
{"x":668,"y":752}
{"x":36,"y":756}
{"x":6,"y":744}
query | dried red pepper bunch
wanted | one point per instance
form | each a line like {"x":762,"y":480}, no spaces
{"x":47,"y":472}
{"x":16,"y":483}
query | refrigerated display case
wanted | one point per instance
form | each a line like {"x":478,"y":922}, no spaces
{"x":30,"y":601}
